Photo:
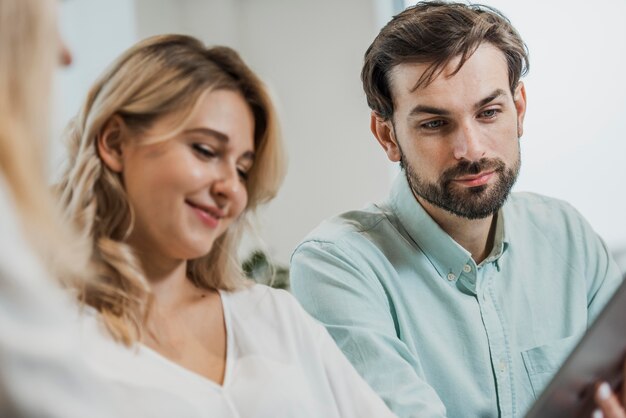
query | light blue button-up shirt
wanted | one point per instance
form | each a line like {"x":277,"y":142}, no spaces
{"x":437,"y":335}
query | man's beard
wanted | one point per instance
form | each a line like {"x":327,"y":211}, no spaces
{"x":468,"y":202}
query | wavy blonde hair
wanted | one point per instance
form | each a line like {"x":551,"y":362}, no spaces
{"x":28,"y":57}
{"x":159,"y":76}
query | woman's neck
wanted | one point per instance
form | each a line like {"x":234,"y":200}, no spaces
{"x":168,"y":280}
{"x":184,"y":323}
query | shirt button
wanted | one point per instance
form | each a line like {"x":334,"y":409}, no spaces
{"x":451,"y":276}
{"x":467,"y":268}
{"x":502,"y":366}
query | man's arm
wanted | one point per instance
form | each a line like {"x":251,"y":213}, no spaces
{"x":606,"y":279}
{"x":343,"y":292}
{"x":602,"y":272}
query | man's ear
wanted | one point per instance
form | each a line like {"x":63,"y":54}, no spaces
{"x":110,"y":141}
{"x":384,"y":133}
{"x":519,"y":98}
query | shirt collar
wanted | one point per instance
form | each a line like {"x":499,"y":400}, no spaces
{"x":500,"y":242}
{"x":445,"y":254}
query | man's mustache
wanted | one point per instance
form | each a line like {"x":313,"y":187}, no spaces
{"x":466,"y":167}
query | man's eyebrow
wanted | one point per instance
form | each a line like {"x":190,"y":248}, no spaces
{"x":493,"y":96}
{"x":428,"y":109}
{"x":443,"y":112}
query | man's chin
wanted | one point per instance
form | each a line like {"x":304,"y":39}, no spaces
{"x":472,"y":215}
{"x":473,"y":203}
{"x":478,"y":190}
{"x":457,"y":192}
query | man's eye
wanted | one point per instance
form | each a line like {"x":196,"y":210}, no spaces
{"x":434,"y":124}
{"x":489,"y":113}
{"x":203,"y":150}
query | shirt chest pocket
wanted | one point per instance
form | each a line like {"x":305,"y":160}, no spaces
{"x":543,"y":361}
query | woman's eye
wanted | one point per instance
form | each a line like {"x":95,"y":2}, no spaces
{"x":243,"y":174}
{"x":203,"y":150}
{"x":434,"y":124}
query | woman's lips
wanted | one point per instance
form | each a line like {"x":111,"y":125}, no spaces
{"x":209,"y":215}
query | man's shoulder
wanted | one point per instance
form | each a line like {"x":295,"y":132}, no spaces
{"x":546,"y":213}
{"x":530,"y":202}
{"x":348,"y":225}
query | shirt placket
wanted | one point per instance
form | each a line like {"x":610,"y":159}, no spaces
{"x":498,"y":340}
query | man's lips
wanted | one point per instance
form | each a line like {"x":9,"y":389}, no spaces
{"x":474,"y":180}
{"x":209,"y":215}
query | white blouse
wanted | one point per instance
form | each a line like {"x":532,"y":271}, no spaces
{"x":279,"y":363}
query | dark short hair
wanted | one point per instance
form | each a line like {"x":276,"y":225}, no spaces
{"x":435,"y":32}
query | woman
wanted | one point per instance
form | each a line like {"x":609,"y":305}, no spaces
{"x":31,"y":307}
{"x":175,"y":146}
{"x":50,"y":365}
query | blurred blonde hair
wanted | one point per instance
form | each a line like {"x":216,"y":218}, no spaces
{"x":28,"y":57}
{"x":159,"y":76}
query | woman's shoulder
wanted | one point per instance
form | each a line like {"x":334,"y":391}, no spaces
{"x":264,"y":305}
{"x":260,"y":297}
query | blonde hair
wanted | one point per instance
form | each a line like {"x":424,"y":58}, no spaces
{"x":28,"y":57}
{"x":159,"y":76}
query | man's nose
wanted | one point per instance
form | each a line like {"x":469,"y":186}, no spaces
{"x":468,"y":143}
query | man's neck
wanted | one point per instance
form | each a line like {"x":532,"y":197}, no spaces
{"x":475,"y":235}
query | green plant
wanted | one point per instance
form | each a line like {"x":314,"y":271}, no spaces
{"x":259,"y":268}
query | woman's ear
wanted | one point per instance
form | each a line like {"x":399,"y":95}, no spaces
{"x":110,"y":141}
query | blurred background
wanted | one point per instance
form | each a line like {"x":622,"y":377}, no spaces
{"x":310,"y":54}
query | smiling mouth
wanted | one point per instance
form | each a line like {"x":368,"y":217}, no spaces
{"x":209,"y":215}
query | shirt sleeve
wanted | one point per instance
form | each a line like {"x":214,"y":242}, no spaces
{"x":354,"y":397}
{"x":343,"y":293}
{"x":602,"y":272}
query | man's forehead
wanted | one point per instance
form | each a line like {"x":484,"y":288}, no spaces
{"x":404,"y":77}
{"x":486,"y":65}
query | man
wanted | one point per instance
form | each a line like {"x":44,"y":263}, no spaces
{"x":453,"y":297}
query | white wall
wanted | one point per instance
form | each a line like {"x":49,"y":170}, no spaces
{"x":310,"y":53}
{"x":96,"y":32}
{"x":212,"y":21}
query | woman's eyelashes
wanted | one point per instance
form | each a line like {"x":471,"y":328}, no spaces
{"x":204,"y":150}
{"x":243,"y":174}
